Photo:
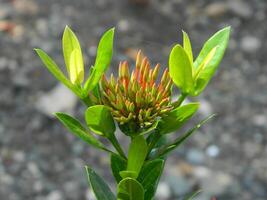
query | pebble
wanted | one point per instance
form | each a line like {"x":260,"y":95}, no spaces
{"x":240,"y":8}
{"x":163,"y":191}
{"x":213,"y":182}
{"x":260,"y":120}
{"x":250,"y":44}
{"x":55,"y":195}
{"x":216,"y":9}
{"x":195,"y":156}
{"x":59,"y":99}
{"x":123,"y":25}
{"x":213,"y":151}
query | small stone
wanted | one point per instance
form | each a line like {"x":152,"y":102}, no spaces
{"x":216,"y":9}
{"x":250,"y":44}
{"x":59,"y":99}
{"x":34,"y":169}
{"x":259,"y":120}
{"x":205,"y":107}
{"x":55,"y":195}
{"x":240,"y":8}
{"x":213,"y":151}
{"x":213,"y":182}
{"x":195,"y":156}
{"x":179,"y":185}
{"x":123,"y":25}
{"x":19,"y":156}
{"x":163,"y":191}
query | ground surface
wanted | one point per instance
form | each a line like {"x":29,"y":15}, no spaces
{"x":39,"y":160}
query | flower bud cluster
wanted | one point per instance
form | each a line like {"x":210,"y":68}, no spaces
{"x":137,"y":97}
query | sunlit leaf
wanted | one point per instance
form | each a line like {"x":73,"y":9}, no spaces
{"x":103,"y":59}
{"x":71,"y":43}
{"x":100,"y":188}
{"x":181,"y":69}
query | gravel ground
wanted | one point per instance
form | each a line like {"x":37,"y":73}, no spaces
{"x":39,"y":160}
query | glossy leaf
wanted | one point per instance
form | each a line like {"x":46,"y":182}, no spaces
{"x":75,"y":127}
{"x":187,"y":47}
{"x":194,"y":195}
{"x":76,"y":67}
{"x":54,"y":69}
{"x":181,"y":69}
{"x":170,"y":147}
{"x":130,"y":189}
{"x":137,"y":154}
{"x":118,"y":164}
{"x":220,"y":41}
{"x":71,"y":43}
{"x":177,"y":117}
{"x":99,"y":119}
{"x":149,"y":177}
{"x":98,"y":185}
{"x":103,"y":59}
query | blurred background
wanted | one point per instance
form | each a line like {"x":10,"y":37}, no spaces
{"x":40,"y":160}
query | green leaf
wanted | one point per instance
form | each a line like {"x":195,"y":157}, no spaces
{"x":76,"y":67}
{"x":70,"y":43}
{"x":130,"y":189}
{"x":177,"y":117}
{"x":137,"y":154}
{"x":149,"y":177}
{"x":103,"y":59}
{"x":100,"y":188}
{"x":219,"y":42}
{"x":54,"y":69}
{"x":100,"y":120}
{"x":75,"y":127}
{"x":118,"y":164}
{"x":181,"y":69}
{"x":194,"y":195}
{"x":187,"y":47}
{"x":170,"y":147}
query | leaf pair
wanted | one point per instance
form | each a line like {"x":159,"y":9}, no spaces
{"x":74,"y":62}
{"x":75,"y":127}
{"x":148,"y":178}
{"x":176,"y":118}
{"x":192,"y":77}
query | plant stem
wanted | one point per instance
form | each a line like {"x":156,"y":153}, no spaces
{"x":87,"y":101}
{"x":179,"y":101}
{"x":117,"y":146}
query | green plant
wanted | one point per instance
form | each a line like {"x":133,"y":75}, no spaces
{"x":139,"y":104}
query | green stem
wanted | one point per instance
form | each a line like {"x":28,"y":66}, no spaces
{"x":117,"y":146}
{"x":87,"y":101}
{"x":179,"y":101}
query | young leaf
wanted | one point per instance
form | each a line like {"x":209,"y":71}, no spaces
{"x":76,"y":67}
{"x":137,"y":154}
{"x":216,"y":45}
{"x":99,"y":120}
{"x":54,"y":69}
{"x":187,"y":47}
{"x":194,"y":195}
{"x":103,"y":59}
{"x":75,"y":127}
{"x":149,"y":177}
{"x":177,"y":117}
{"x":118,"y":164}
{"x":100,"y":188}
{"x":181,"y":69}
{"x":170,"y":147}
{"x":70,"y":43}
{"x":130,"y":189}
